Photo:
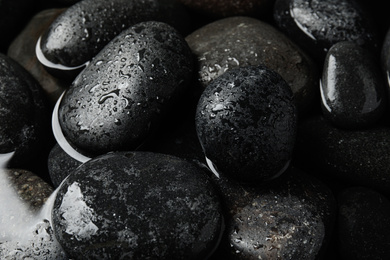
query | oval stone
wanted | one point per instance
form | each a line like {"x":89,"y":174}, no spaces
{"x":318,"y":24}
{"x":242,"y":41}
{"x":363,"y":224}
{"x":78,"y":34}
{"x":352,"y":87}
{"x":120,"y":98}
{"x":138,"y":204}
{"x":246,"y":123}
{"x":356,"y":157}
{"x":24,"y":116}
{"x":291,"y":217}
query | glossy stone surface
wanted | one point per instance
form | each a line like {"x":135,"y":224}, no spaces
{"x":318,"y":24}
{"x":385,"y":58}
{"x":352,"y":87}
{"x":22,"y":50}
{"x":122,"y":95}
{"x":23,"y":115}
{"x":363,"y":224}
{"x":60,"y":165}
{"x":246,"y":123}
{"x":78,"y":34}
{"x":215,"y":8}
{"x":242,"y":41}
{"x":143,"y":205}
{"x":348,"y":157}
{"x":291,"y":217}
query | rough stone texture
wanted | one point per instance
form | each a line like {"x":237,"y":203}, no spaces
{"x":246,"y":123}
{"x":242,"y":41}
{"x":137,"y":205}
{"x":60,"y":165}
{"x":122,"y":95}
{"x":22,"y":50}
{"x":23,"y":115}
{"x":316,"y":25}
{"x":291,"y":217}
{"x":78,"y":34}
{"x":215,"y":8}
{"x":352,"y":87}
{"x":30,"y":188}
{"x":357,"y":157}
{"x":363,"y":224}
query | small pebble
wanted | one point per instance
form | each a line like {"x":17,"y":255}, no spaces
{"x":352,"y":87}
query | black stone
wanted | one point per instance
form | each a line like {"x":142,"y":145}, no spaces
{"x":78,"y":34}
{"x":385,"y":58}
{"x":316,"y":25}
{"x":60,"y":165}
{"x":352,"y":87}
{"x":246,"y":123}
{"x":242,"y":41}
{"x":363,"y":224}
{"x":358,"y":157}
{"x":24,"y":115}
{"x":291,"y":217}
{"x":137,"y":205}
{"x":120,"y":98}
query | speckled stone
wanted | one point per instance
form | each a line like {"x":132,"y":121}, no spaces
{"x":358,"y":157}
{"x":24,"y":115}
{"x":246,"y":123}
{"x":30,"y":188}
{"x":242,"y":41}
{"x":352,"y":87}
{"x":22,"y":50}
{"x":291,"y":217}
{"x":137,"y":205}
{"x":363,"y":224}
{"x":218,"y":9}
{"x":121,"y":97}
{"x":60,"y":165}
{"x":318,"y":24}
{"x":78,"y":34}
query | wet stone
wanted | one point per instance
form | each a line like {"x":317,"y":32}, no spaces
{"x":363,"y":224}
{"x":215,"y":8}
{"x":352,"y":87}
{"x":23,"y":115}
{"x":121,"y":97}
{"x":139,"y":205}
{"x":316,"y":25}
{"x":291,"y":217}
{"x":356,"y":157}
{"x":246,"y":123}
{"x":22,"y":50}
{"x":78,"y":34}
{"x":60,"y":165}
{"x":242,"y":41}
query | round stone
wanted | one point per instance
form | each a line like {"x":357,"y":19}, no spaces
{"x":246,"y":123}
{"x":139,"y":205}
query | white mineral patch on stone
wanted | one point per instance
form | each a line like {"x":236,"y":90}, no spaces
{"x":78,"y":217}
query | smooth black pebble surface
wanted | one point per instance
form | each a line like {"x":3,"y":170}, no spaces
{"x":358,"y":157}
{"x":137,"y":205}
{"x":352,"y":87}
{"x":363,"y":224}
{"x":60,"y":165}
{"x":78,"y":34}
{"x":385,"y":57}
{"x":246,"y":123}
{"x":24,"y":115}
{"x":122,"y":95}
{"x":243,"y":41}
{"x":291,"y":217}
{"x":318,"y":24}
